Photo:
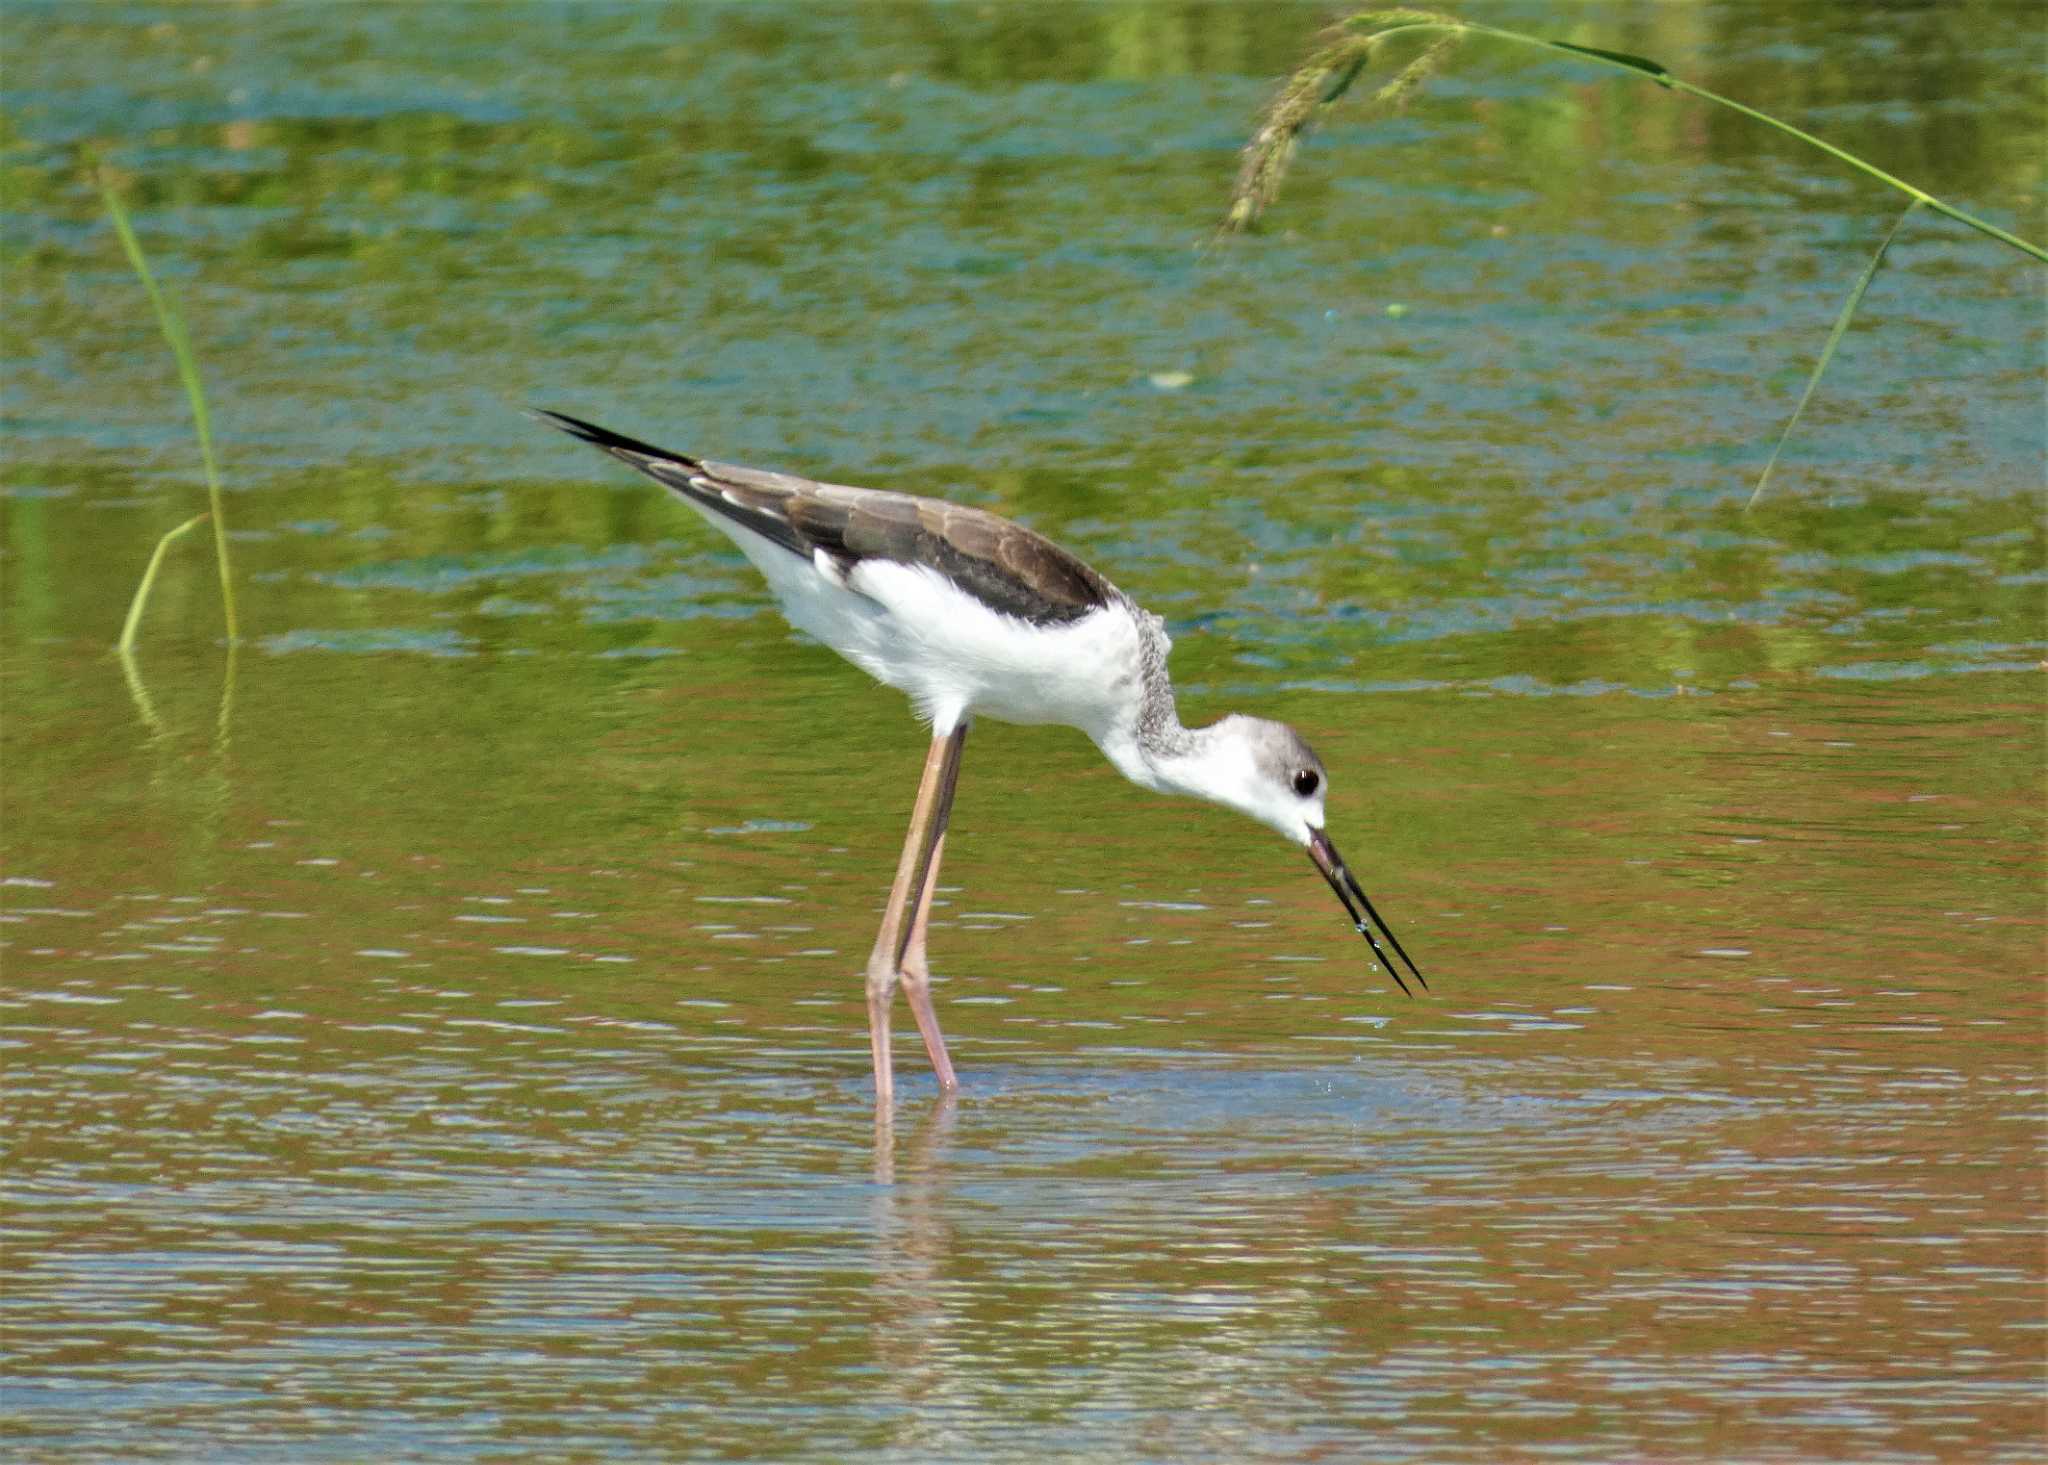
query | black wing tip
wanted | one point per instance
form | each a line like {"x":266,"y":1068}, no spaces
{"x":616,"y":443}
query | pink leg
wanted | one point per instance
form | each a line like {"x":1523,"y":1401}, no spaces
{"x":901,"y":923}
{"x":917,"y":979}
{"x":911,"y":964}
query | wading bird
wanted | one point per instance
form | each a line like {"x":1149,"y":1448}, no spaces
{"x":972,"y":615}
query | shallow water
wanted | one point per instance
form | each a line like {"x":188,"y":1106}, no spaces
{"x":434,"y":1029}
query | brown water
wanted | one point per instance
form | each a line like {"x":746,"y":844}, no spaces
{"x":434,"y":1029}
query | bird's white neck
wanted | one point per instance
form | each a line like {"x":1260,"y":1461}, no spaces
{"x":1147,"y":744}
{"x":1158,"y":753}
{"x":1225,"y":763}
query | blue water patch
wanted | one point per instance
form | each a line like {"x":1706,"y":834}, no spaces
{"x":674,"y":597}
{"x":1907,"y":671}
{"x":1526,"y":686}
{"x":441,"y":572}
{"x":1903,"y":561}
{"x":505,"y":605}
{"x":358,"y":642}
{"x":762,"y":826}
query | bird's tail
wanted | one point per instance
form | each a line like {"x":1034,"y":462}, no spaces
{"x":628,"y":450}
{"x":757,"y":507}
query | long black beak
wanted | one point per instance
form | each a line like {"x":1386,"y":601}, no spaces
{"x":1346,"y":885}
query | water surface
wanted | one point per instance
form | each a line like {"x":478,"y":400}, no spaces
{"x":434,"y":1030}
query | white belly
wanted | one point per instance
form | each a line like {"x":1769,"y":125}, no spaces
{"x":911,"y":628}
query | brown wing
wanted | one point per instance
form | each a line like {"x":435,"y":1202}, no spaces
{"x":1007,"y":567}
{"x":1003,"y":565}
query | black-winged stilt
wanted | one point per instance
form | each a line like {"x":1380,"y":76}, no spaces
{"x":971,"y":614}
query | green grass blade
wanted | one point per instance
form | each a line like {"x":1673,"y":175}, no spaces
{"x":1268,"y":154}
{"x":1652,"y":69}
{"x":1827,"y":352}
{"x":172,"y":324}
{"x":126,"y":645}
{"x":1624,"y":62}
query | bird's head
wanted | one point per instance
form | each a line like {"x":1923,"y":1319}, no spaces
{"x":1265,"y":769}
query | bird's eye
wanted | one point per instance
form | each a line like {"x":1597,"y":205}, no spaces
{"x":1305,"y":781}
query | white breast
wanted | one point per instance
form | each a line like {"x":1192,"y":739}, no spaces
{"x":911,"y":628}
{"x":956,"y":657}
